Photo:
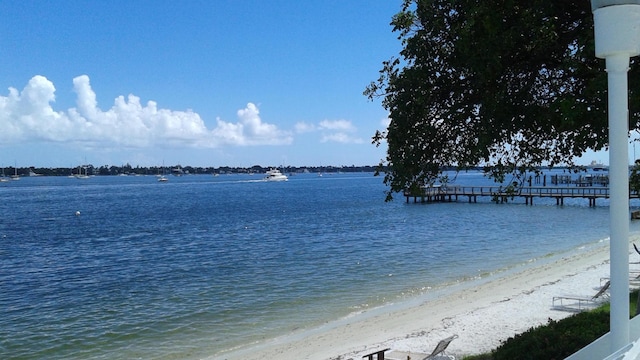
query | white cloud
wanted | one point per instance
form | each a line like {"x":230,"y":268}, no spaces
{"x":340,"y":137}
{"x":28,"y":113}
{"x":331,"y":131}
{"x":28,"y":116}
{"x":250,"y":130}
{"x":304,"y":127}
{"x":258,"y":133}
{"x":339,"y":125}
{"x":385,"y":123}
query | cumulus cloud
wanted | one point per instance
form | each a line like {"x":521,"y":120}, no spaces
{"x":28,"y":116}
{"x":250,"y":130}
{"x":339,"y":137}
{"x":340,"y":131}
{"x":385,"y":123}
{"x":29,"y":113}
{"x":337,"y":125}
{"x":304,"y":127}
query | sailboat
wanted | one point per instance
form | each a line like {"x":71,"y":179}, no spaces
{"x":163,"y":178}
{"x":15,"y":176}
{"x":80,"y":175}
{"x":4,"y":178}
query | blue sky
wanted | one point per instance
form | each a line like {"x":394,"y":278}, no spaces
{"x":203,"y":83}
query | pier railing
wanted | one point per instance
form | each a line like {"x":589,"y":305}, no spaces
{"x":439,"y":193}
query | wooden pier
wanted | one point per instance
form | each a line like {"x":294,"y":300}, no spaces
{"x":499,"y":194}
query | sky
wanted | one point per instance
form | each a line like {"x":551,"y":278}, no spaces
{"x":199,"y":83}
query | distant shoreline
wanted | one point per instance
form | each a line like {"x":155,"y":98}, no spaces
{"x":180,"y":170}
{"x":112,"y":170}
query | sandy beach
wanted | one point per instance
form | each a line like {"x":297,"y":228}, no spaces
{"x":482,"y":315}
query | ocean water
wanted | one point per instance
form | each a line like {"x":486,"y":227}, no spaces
{"x":202,"y":265}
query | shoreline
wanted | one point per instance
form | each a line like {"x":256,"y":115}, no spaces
{"x":482,"y":315}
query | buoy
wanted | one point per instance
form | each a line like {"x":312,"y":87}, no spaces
{"x":78,"y":213}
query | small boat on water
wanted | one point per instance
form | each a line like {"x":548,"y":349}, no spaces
{"x":15,"y":176}
{"x":80,"y":175}
{"x":598,"y":166}
{"x":275,"y":175}
{"x":177,"y":171}
{"x":162,"y":178}
{"x":3,"y":178}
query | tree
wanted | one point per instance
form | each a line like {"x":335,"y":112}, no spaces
{"x":510,"y":85}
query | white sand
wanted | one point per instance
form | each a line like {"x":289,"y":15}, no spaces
{"x":482,"y":316}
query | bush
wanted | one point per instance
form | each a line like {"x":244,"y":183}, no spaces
{"x":557,"y":339}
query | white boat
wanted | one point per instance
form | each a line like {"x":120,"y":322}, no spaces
{"x":275,"y":175}
{"x":162,"y":178}
{"x":15,"y":176}
{"x":4,"y":178}
{"x":80,"y":175}
{"x":598,"y":166}
{"x":177,"y":171}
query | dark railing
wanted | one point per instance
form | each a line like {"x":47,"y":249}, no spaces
{"x":448,"y":192}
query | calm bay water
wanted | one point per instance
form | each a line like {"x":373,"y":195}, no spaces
{"x":201,"y":265}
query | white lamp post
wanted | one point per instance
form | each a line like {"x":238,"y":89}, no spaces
{"x":617,"y":38}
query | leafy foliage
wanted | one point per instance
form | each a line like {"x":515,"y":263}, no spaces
{"x":556,"y":340}
{"x":505,"y":84}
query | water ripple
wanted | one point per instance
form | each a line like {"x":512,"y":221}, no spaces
{"x":205,"y":264}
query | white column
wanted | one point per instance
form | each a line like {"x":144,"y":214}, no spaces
{"x":617,"y":68}
{"x":617,"y":38}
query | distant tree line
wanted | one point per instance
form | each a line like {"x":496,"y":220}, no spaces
{"x":127,"y":169}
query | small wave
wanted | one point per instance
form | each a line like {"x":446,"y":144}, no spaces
{"x":135,"y":235}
